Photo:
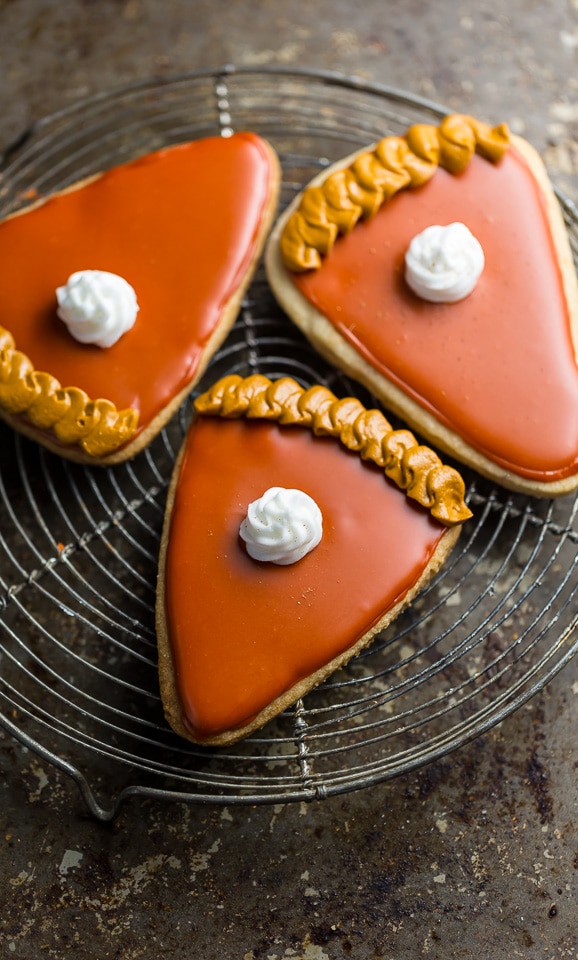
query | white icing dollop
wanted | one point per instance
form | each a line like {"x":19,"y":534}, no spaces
{"x":444,"y":264}
{"x":282,"y":526}
{"x":97,"y":306}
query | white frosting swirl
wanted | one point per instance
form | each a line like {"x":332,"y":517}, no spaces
{"x":97,"y":306}
{"x":282,"y":526}
{"x":443,"y":264}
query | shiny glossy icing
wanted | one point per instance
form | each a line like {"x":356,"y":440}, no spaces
{"x":179,"y":225}
{"x":497,"y":368}
{"x":244,"y":632}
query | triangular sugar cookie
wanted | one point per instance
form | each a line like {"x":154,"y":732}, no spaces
{"x":184,"y":227}
{"x":492,"y":378}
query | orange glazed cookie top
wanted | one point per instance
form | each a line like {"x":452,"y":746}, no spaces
{"x":416,"y":469}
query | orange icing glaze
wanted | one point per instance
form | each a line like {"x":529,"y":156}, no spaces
{"x":243,"y":632}
{"x":497,"y":368}
{"x":178,"y":224}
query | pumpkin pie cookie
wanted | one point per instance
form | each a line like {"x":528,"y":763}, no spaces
{"x":435,"y":268}
{"x":116,"y":292}
{"x":297,"y":526}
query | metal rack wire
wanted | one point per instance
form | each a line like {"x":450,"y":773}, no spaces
{"x":78,"y":546}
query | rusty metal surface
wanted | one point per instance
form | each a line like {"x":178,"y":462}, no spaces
{"x":473,"y":856}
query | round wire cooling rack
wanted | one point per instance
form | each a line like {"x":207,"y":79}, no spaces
{"x":78,"y":546}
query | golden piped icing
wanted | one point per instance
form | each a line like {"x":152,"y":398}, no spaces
{"x":415,"y":468}
{"x":356,"y":192}
{"x":96,"y":426}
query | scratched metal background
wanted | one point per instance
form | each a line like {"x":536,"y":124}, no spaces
{"x":474,"y":854}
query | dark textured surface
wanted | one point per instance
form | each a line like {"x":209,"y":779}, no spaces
{"x":474,"y":856}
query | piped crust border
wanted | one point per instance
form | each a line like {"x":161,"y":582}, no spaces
{"x":334,"y":203}
{"x":415,"y":468}
{"x":96,"y":427}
